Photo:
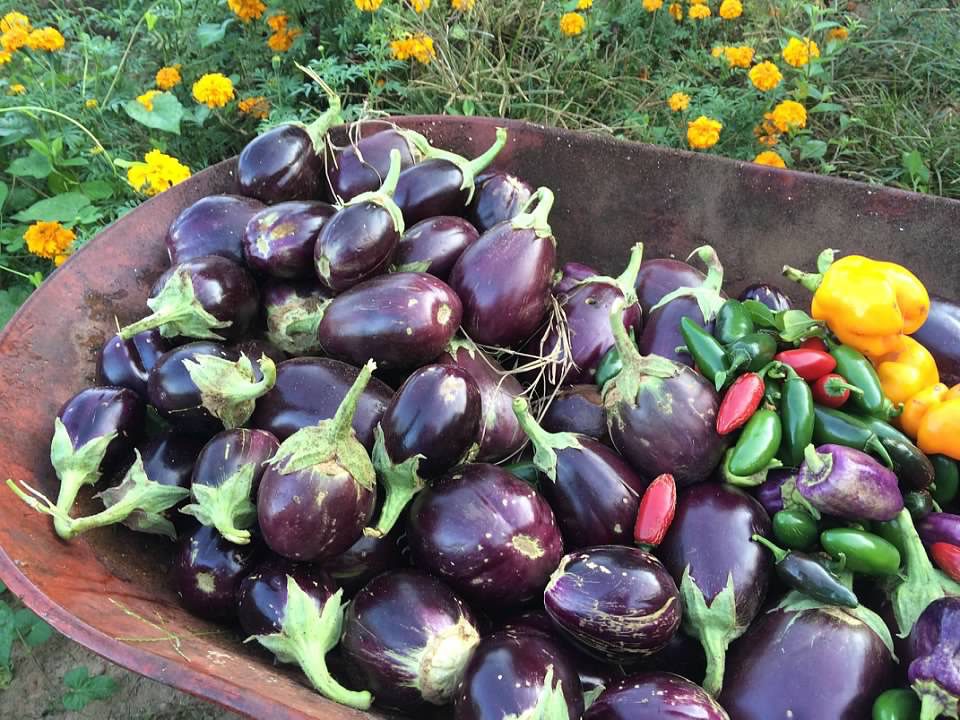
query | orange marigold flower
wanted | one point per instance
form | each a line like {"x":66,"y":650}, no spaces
{"x":168,"y":77}
{"x":5,"y":57}
{"x":799,"y":52}
{"x":14,"y":38}
{"x":213,"y":90}
{"x":584,"y":4}
{"x":699,"y":12}
{"x":731,"y":9}
{"x":368,"y":5}
{"x":90,"y":103}
{"x":463,"y":5}
{"x":48,"y":39}
{"x":769,"y":157}
{"x":767,"y":132}
{"x":703,"y":132}
{"x":838,"y":34}
{"x":572,"y":23}
{"x":49,"y":239}
{"x":420,"y":6}
{"x":652,"y":5}
{"x":158,"y":172}
{"x":676,"y":11}
{"x":247,"y":10}
{"x":678,"y":101}
{"x":765,"y":76}
{"x":258,"y":107}
{"x":17,"y":89}
{"x":740,"y":57}
{"x":13,"y":20}
{"x":789,"y":115}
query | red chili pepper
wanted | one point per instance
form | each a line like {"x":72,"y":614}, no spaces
{"x":833,"y":390}
{"x":740,"y":403}
{"x":809,"y":364}
{"x":814,"y":343}
{"x":947,"y":557}
{"x":657,"y":507}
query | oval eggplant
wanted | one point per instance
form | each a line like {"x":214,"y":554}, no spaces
{"x":362,"y":166}
{"x":262,"y":595}
{"x":364,"y":560}
{"x":127,"y":363}
{"x":939,"y":334}
{"x":207,"y":572}
{"x":514,"y":672}
{"x":770,"y":295}
{"x":254,"y":348}
{"x":577,"y":409}
{"x":211,"y":226}
{"x":571,"y":275}
{"x":659,"y":277}
{"x":401,"y":321}
{"x":174,"y":394}
{"x":293,"y":310}
{"x":280,"y":240}
{"x":653,"y":696}
{"x":434,"y":245}
{"x":499,"y":556}
{"x":168,"y":458}
{"x":408,"y":639}
{"x":499,"y":196}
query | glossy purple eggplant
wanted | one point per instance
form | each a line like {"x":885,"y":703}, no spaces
{"x":940,"y":527}
{"x":401,"y":321}
{"x":770,"y":493}
{"x":434,"y":245}
{"x":659,"y":277}
{"x":262,"y":595}
{"x":616,"y":603}
{"x":848,"y":483}
{"x":280,"y":239}
{"x":168,"y":458}
{"x":500,"y":435}
{"x":213,"y":225}
{"x":309,"y":390}
{"x":294,"y":309}
{"x":939,"y":334}
{"x":486,"y":533}
{"x":593,"y":491}
{"x":207,"y":571}
{"x":320,"y":487}
{"x":255,"y":347}
{"x":365,"y":559}
{"x":428,"y":427}
{"x":361,"y":166}
{"x":577,"y":409}
{"x":661,"y":415}
{"x":570,"y":275}
{"x":207,"y":297}
{"x":654,"y":696}
{"x":770,"y":295}
{"x":407,"y":638}
{"x":934,"y":671}
{"x":499,"y":196}
{"x":801,"y":660}
{"x":442,"y":183}
{"x":225,"y":481}
{"x":514,"y":673}
{"x":683,"y":656}
{"x":722,"y":574}
{"x":504,"y":277}
{"x":127,"y":363}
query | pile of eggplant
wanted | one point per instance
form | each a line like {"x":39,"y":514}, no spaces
{"x":401,"y":447}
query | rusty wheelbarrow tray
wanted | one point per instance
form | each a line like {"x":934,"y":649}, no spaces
{"x":108,"y":591}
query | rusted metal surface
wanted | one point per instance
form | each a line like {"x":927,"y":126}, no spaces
{"x":108,"y":591}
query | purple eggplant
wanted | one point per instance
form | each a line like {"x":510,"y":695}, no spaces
{"x":661,"y":415}
{"x":617,"y":603}
{"x":262,"y":595}
{"x":939,"y":334}
{"x":486,"y":533}
{"x":934,"y":671}
{"x":280,"y":240}
{"x":202,"y":387}
{"x":504,"y":277}
{"x":320,"y":487}
{"x":225,"y":481}
{"x":571,"y":275}
{"x":577,"y":409}
{"x":365,"y":559}
{"x":254,"y":347}
{"x":517,"y":674}
{"x":499,"y":196}
{"x":434,"y":245}
{"x":361,"y":166}
{"x":722,"y":574}
{"x":294,"y":309}
{"x":401,"y":321}
{"x":207,"y":571}
{"x":593,"y":492}
{"x":770,"y":493}
{"x":700,"y":302}
{"x":207,"y":297}
{"x":311,"y":389}
{"x":442,"y":183}
{"x":211,"y":226}
{"x":286,"y":162}
{"x":940,"y":527}
{"x":408,"y":639}
{"x":683,"y":656}
{"x":127,"y":363}
{"x":848,"y":483}
{"x":657,"y":278}
{"x":770,"y":295}
{"x":168,"y":458}
{"x":359,"y":241}
{"x":654,"y":696}
{"x":808,"y":660}
{"x":429,"y":426}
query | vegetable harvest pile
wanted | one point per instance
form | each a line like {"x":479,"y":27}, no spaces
{"x":401,"y":448}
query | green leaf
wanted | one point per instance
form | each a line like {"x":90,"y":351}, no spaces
{"x":85,"y":689}
{"x":458,"y":32}
{"x":826,"y":107}
{"x":210,"y":33}
{"x":815,"y":149}
{"x":913,"y":163}
{"x":101,"y":687}
{"x":4,"y":191}
{"x":32,"y":165}
{"x":95,"y":189}
{"x":469,"y":109}
{"x":40,"y":146}
{"x":62,"y":208}
{"x":33,"y":631}
{"x":762,"y":316}
{"x":151,"y":20}
{"x":166,"y":114}
{"x":76,"y":677}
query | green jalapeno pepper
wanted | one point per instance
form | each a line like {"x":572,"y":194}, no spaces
{"x":758,"y":444}
{"x":802,"y":572}
{"x":795,"y":528}
{"x":796,"y":415}
{"x":897,"y":704}
{"x":859,"y":372}
{"x":839,"y":428}
{"x":733,"y":322}
{"x":707,"y":353}
{"x":863,"y":552}
{"x":910,"y":464}
{"x":752,"y":351}
{"x":947,"y":479}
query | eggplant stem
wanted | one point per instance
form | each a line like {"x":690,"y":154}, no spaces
{"x":545,"y":443}
{"x":815,"y":461}
{"x":535,"y":213}
{"x":708,"y":256}
{"x":389,"y":186}
{"x":627,"y":280}
{"x":151,"y":321}
{"x":811,"y":281}
{"x":401,"y":482}
{"x":481,"y":162}
{"x":342,"y":422}
{"x":715,"y":648}
{"x":39,"y":502}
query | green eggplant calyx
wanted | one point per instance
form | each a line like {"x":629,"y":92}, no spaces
{"x":228,"y":506}
{"x":535,"y":214}
{"x":626,"y":280}
{"x":935,"y":700}
{"x":708,"y":297}
{"x":715,"y":625}
{"x":469,"y":169}
{"x":798,"y":602}
{"x":384,"y":195}
{"x":819,"y":464}
{"x":401,"y":481}
{"x":628,"y":381}
{"x":551,"y":702}
{"x":545,"y":444}
{"x":176,"y":311}
{"x":293,"y":326}
{"x":229,"y":389}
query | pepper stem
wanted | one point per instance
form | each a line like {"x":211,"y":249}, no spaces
{"x":545,"y":443}
{"x":535,"y":213}
{"x":779,"y":554}
{"x":816,"y":462}
{"x":825,"y":260}
{"x":811,"y":281}
{"x":480,"y":163}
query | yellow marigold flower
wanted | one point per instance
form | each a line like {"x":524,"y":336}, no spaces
{"x":14,"y":38}
{"x":147,"y":99}
{"x":247,"y":10}
{"x":213,"y":90}
{"x":717,"y":51}
{"x":703,"y":132}
{"x":17,"y":89}
{"x":158,"y":172}
{"x":572,"y":23}
{"x":798,"y":52}
{"x":368,"y":5}
{"x":731,"y":9}
{"x":48,"y":39}
{"x":769,"y":157}
{"x":699,"y":12}
{"x":90,"y":103}
{"x":168,"y":77}
{"x":740,"y":57}
{"x":652,"y":5}
{"x":676,"y":11}
{"x":584,"y":4}
{"x":258,"y":107}
{"x":14,"y":20}
{"x":466,"y":5}
{"x":49,"y":239}
{"x":419,"y":47}
{"x":678,"y":101}
{"x":420,"y":6}
{"x":697,"y":2}
{"x":767,"y":132}
{"x":60,"y":259}
{"x":789,"y":115}
{"x":765,"y":76}
{"x":838,"y":34}
{"x":282,"y":40}
{"x":5,"y":57}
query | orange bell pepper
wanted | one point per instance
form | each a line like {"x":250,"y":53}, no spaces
{"x":935,"y":415}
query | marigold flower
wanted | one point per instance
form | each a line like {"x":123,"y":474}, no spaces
{"x":147,"y":99}
{"x":697,"y":2}
{"x":49,"y":239}
{"x":158,"y":172}
{"x":48,"y":39}
{"x":676,"y":11}
{"x":740,"y":57}
{"x":652,"y":5}
{"x":467,"y":5}
{"x":717,"y":51}
{"x":14,"y":20}
{"x":17,"y":89}
{"x":213,"y":90}
{"x":678,"y":101}
{"x":703,"y":132}
{"x":282,"y":40}
{"x":258,"y":107}
{"x":838,"y":33}
{"x":90,"y":103}
{"x":247,"y":10}
{"x":699,"y":12}
{"x":419,"y":47}
{"x":368,"y":5}
{"x":789,"y":115}
{"x":767,"y":132}
{"x":731,"y":9}
{"x":798,"y":52}
{"x":168,"y":77}
{"x":278,"y":22}
{"x":14,"y":38}
{"x":572,"y":23}
{"x":765,"y":76}
{"x":769,"y":157}
{"x":584,"y":4}
{"x":420,"y":6}
{"x":5,"y":57}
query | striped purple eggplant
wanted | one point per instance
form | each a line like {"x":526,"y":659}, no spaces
{"x":654,"y":696}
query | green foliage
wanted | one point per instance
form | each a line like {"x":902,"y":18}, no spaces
{"x":83,"y":689}
{"x":18,"y":625}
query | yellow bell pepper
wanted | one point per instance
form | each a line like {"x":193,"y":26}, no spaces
{"x":905,"y":373}
{"x":939,"y":431}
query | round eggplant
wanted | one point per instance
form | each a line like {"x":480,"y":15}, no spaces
{"x":434,"y":245}
{"x":487,"y":533}
{"x":127,"y":363}
{"x":654,"y":696}
{"x":168,"y":458}
{"x":577,"y":409}
{"x":207,"y":572}
{"x":662,"y":276}
{"x":408,"y":639}
{"x":770,"y":295}
{"x":616,"y":603}
{"x":364,"y":560}
{"x":211,"y":226}
{"x":571,"y":275}
{"x":262,"y":595}
{"x":499,"y":196}
{"x":294,"y":309}
{"x":362,"y":166}
{"x":401,"y":321}
{"x":279,"y":240}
